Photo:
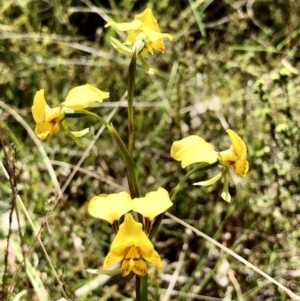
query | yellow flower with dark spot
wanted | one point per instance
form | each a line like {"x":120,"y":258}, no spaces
{"x":236,"y":155}
{"x":194,"y":149}
{"x":132,"y":246}
{"x":145,"y":27}
{"x":47,"y":119}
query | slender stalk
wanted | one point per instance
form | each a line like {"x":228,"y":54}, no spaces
{"x":131,"y":83}
{"x":137,"y":288}
{"x":131,"y":174}
{"x":144,"y":287}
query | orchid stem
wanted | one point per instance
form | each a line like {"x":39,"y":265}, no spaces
{"x":131,"y":83}
{"x":141,"y":288}
{"x":131,"y":173}
{"x":137,"y":288}
{"x":144,"y":287}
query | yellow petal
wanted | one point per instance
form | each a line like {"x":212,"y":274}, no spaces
{"x":125,"y":26}
{"x":130,"y":233}
{"x":193,"y":149}
{"x":131,"y":244}
{"x":46,"y":129}
{"x":236,"y":155}
{"x":158,"y":45}
{"x":238,"y":145}
{"x":156,"y":39}
{"x":39,"y":107}
{"x":53,"y":115}
{"x":110,"y":207}
{"x":153,"y":204}
{"x":153,"y":257}
{"x":147,"y":18}
{"x":112,"y":258}
{"x":138,"y":266}
{"x":240,"y":167}
{"x":41,"y":111}
{"x":228,"y":156}
{"x":84,"y":96}
{"x":154,"y":36}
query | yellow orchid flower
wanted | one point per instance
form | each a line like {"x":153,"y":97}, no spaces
{"x":47,"y":119}
{"x":153,"y":204}
{"x":143,"y":30}
{"x":236,"y":155}
{"x":132,"y":246}
{"x":110,"y":207}
{"x":193,"y":149}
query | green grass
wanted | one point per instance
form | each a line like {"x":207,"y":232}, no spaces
{"x":222,"y":69}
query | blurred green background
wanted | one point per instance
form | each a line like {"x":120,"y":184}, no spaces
{"x":231,"y":64}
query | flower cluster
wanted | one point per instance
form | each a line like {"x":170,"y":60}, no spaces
{"x":131,"y":244}
{"x":143,"y":33}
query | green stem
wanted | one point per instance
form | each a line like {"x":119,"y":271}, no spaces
{"x":131,"y":83}
{"x":137,"y":288}
{"x":155,"y":225}
{"x":131,"y":174}
{"x":144,"y":287}
{"x":200,"y":167}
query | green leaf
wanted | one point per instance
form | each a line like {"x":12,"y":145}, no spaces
{"x":120,"y":47}
{"x":80,"y":133}
{"x":210,"y":181}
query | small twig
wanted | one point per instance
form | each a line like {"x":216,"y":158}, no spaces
{"x":235,"y":284}
{"x":100,"y":177}
{"x":9,"y":172}
{"x":250,"y":12}
{"x":176,"y":273}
